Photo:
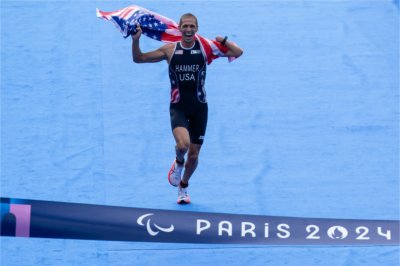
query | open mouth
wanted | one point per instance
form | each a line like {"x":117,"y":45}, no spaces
{"x":189,"y":34}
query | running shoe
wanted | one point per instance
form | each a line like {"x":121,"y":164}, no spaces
{"x":174,"y":174}
{"x":183,"y":197}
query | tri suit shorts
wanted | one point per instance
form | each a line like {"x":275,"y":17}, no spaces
{"x":192,"y":117}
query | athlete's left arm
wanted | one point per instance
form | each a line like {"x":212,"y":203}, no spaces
{"x":233,"y":49}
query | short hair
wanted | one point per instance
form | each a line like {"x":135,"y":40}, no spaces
{"x":188,"y":15}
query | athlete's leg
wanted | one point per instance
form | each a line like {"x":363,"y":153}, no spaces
{"x":182,"y":140}
{"x":197,"y":128}
{"x":191,"y":162}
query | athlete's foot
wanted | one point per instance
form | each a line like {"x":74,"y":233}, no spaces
{"x":183,"y":197}
{"x":174,"y":174}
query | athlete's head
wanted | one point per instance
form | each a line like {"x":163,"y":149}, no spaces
{"x":188,"y":27}
{"x":187,"y":15}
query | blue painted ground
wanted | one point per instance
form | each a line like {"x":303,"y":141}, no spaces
{"x":304,"y":124}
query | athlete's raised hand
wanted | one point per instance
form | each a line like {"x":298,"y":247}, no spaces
{"x":136,"y":36}
{"x":220,"y":39}
{"x":233,"y":49}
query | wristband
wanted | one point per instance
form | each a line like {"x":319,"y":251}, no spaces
{"x":224,"y":40}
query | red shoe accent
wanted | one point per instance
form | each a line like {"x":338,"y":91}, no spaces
{"x":171,"y":171}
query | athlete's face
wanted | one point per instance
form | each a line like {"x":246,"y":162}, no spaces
{"x":188,"y":28}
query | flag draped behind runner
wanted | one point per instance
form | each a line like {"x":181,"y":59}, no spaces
{"x":49,"y":219}
{"x":157,"y":27}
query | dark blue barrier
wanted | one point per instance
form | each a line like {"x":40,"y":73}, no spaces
{"x":48,"y":219}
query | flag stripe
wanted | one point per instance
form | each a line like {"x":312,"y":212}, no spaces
{"x":157,"y":27}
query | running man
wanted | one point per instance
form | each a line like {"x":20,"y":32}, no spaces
{"x":187,"y":61}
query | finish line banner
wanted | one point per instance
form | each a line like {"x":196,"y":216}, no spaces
{"x":48,"y":219}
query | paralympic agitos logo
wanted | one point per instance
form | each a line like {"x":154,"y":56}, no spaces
{"x":152,"y":228}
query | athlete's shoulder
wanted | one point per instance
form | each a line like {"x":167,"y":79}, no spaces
{"x":168,"y":47}
{"x":168,"y":50}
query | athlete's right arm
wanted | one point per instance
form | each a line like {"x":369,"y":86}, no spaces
{"x":149,"y":57}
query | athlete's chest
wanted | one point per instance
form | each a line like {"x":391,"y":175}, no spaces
{"x":187,"y":60}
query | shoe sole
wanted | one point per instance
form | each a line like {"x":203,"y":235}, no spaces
{"x":183,"y":202}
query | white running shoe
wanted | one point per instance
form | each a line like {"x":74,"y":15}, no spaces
{"x":183,"y":197}
{"x":174,"y":174}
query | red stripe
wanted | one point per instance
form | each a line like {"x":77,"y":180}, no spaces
{"x":126,"y":12}
{"x":165,"y":37}
{"x":106,"y":14}
{"x":172,"y":26}
{"x":175,"y":95}
{"x":207,"y":49}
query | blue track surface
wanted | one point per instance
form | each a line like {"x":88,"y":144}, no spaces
{"x":304,"y":124}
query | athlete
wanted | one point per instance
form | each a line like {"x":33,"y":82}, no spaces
{"x":187,"y":62}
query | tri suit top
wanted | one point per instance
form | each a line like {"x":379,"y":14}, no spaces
{"x":188,"y":107}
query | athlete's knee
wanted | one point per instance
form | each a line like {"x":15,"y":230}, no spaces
{"x":182,"y":146}
{"x":193,"y":155}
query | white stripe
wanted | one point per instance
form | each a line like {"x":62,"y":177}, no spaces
{"x":174,"y":32}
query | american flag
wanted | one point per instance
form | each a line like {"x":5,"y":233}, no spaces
{"x":157,"y":27}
